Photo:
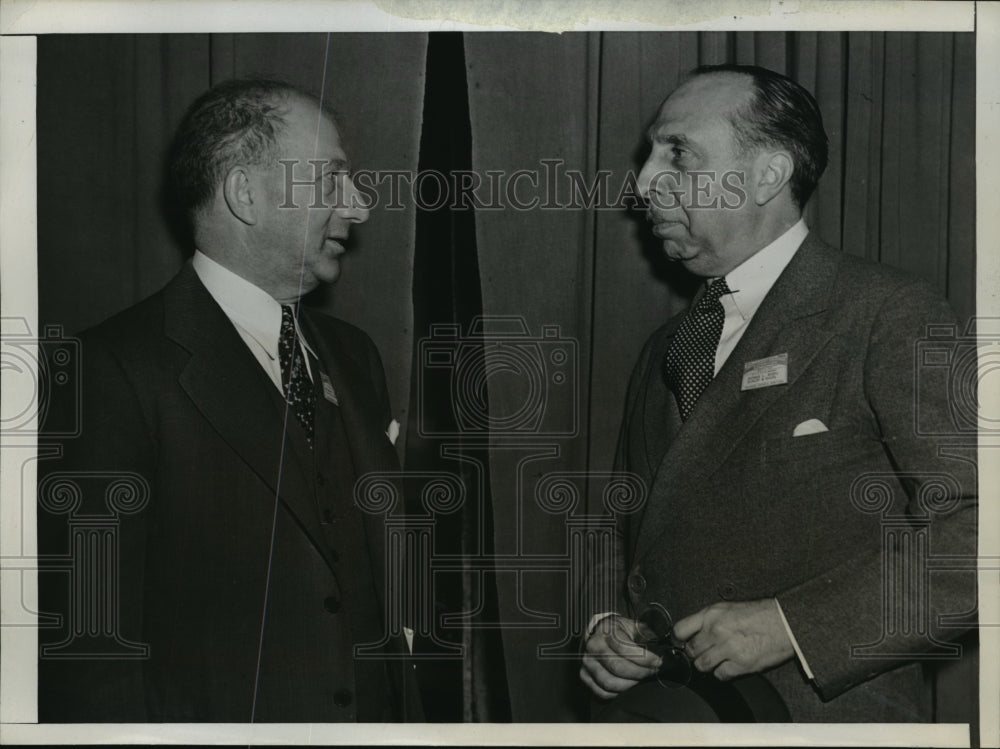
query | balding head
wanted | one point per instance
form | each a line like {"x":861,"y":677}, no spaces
{"x":235,"y":122}
{"x":260,"y":169}
{"x":770,"y":110}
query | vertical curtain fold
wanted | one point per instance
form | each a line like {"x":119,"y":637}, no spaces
{"x":446,"y":293}
{"x":531,"y":99}
{"x":961,"y":227}
{"x":107,"y":107}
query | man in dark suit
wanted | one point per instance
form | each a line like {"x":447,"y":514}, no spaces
{"x":238,"y":421}
{"x":792,"y":503}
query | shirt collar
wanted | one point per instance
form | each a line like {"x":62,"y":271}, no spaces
{"x":245,"y":304}
{"x":751,"y":280}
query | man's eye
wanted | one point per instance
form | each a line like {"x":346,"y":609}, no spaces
{"x":331,"y":180}
{"x":678,"y":152}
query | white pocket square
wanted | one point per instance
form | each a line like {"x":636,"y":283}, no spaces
{"x":812,"y":426}
{"x":393,"y":431}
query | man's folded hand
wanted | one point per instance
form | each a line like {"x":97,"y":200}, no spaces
{"x":732,"y":639}
{"x":612,"y":661}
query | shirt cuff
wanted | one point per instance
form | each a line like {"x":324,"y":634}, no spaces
{"x":408,"y":635}
{"x":595,"y":620}
{"x":795,"y":644}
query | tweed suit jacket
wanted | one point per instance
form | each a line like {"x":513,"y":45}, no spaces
{"x":740,"y":509}
{"x":231,"y":574}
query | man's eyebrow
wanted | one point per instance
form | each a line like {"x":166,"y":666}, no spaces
{"x":321,"y":167}
{"x":338,"y":165}
{"x":660,"y":135}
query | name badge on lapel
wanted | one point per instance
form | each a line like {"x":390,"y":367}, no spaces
{"x":328,"y":392}
{"x":763,"y":373}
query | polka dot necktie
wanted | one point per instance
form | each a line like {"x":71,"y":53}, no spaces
{"x":689,"y":365}
{"x":295,"y":380}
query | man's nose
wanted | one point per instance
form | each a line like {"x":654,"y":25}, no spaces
{"x":660,"y":188}
{"x":642,"y":181}
{"x":651,"y":183}
{"x":354,"y":207}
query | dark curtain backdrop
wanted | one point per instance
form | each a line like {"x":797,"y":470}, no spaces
{"x":899,"y":109}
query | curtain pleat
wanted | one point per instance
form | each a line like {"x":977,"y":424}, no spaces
{"x":960,"y":239}
{"x":107,"y":107}
{"x":820,"y":66}
{"x":447,"y":292}
{"x":528,"y":101}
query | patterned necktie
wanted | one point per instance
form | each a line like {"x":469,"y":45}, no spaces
{"x":295,"y":381}
{"x":689,"y":365}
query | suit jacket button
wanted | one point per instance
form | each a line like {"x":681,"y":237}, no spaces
{"x":342,"y":698}
{"x":331,"y":604}
{"x":327,"y":516}
{"x":636,"y":584}
{"x":727,"y":591}
{"x":320,"y":479}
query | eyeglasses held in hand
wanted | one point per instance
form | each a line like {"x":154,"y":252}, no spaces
{"x":655,"y":633}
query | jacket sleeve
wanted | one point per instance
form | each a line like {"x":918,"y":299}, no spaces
{"x":101,"y":483}
{"x":885,"y":608}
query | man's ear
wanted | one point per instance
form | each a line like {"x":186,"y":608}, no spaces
{"x":775,"y":169}
{"x":238,"y":193}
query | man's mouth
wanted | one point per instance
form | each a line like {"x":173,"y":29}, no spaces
{"x":661,"y":226}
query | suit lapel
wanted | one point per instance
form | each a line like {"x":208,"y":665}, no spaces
{"x":788,"y":321}
{"x":360,"y":410}
{"x":226,"y":384}
{"x":654,"y":420}
{"x":661,"y":418}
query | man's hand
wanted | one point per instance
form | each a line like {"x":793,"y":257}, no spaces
{"x":612,"y":660}
{"x":733,"y":639}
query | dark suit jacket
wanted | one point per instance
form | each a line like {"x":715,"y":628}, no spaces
{"x":250,"y":574}
{"x":739,"y":509}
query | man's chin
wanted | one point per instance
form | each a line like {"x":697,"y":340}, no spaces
{"x":329,"y":272}
{"x":694,"y":261}
{"x":677,"y":252}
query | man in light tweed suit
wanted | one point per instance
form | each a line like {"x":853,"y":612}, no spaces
{"x":769,"y":421}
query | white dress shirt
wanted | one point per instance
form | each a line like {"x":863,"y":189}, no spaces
{"x":254,"y":313}
{"x":749,"y":284}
